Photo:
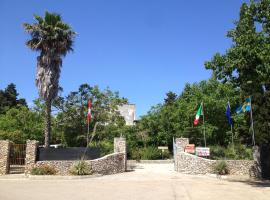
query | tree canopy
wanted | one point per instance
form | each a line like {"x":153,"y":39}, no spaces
{"x":246,"y":64}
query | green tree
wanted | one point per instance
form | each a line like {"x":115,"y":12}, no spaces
{"x":247,"y":63}
{"x":165,"y":121}
{"x":53,"y":39}
{"x":71,"y":120}
{"x":20,"y":124}
{"x":9,"y":98}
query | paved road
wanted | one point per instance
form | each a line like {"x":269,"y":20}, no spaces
{"x":148,"y":181}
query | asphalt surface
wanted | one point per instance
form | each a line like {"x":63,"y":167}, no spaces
{"x":147,"y":181}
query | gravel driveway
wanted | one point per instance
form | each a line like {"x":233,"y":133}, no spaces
{"x":147,"y":181}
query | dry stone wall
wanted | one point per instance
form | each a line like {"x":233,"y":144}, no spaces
{"x":4,"y":156}
{"x":191,"y":164}
{"x":109,"y":164}
{"x":31,"y":155}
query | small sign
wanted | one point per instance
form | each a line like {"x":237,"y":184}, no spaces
{"x":163,"y":147}
{"x":190,"y":148}
{"x":203,"y":151}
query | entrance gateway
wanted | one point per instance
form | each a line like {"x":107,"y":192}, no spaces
{"x":17,"y":158}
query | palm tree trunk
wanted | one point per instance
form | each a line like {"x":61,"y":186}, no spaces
{"x":47,"y":123}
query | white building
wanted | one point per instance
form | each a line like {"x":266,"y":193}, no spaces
{"x":128,"y":112}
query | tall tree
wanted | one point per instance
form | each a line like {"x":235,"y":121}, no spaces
{"x":71,"y":118}
{"x":53,"y":39}
{"x":9,"y":98}
{"x":247,"y":63}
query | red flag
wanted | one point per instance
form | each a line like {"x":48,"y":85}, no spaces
{"x":89,"y":116}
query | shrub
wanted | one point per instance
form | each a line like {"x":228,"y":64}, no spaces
{"x":236,"y":152}
{"x":105,"y":147}
{"x":134,"y":154}
{"x":80,"y":168}
{"x":217,"y":152}
{"x":43,"y":170}
{"x":221,"y":168}
{"x":150,"y":153}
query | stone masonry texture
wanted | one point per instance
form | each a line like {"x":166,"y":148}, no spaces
{"x":120,"y":145}
{"x":109,"y":164}
{"x":192,"y":164}
{"x":4,"y":156}
{"x":31,"y":155}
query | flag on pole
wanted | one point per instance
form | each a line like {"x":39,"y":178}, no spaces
{"x":228,"y":114}
{"x":198,"y":114}
{"x":248,"y":104}
{"x":89,"y":115}
{"x":246,"y":107}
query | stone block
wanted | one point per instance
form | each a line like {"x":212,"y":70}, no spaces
{"x":4,"y":156}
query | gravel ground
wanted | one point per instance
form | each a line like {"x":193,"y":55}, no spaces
{"x":146,"y":181}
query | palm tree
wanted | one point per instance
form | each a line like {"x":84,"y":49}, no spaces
{"x":53,"y":39}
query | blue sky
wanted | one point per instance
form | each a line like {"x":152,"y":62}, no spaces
{"x":141,"y":48}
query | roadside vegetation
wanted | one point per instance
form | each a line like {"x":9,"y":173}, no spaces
{"x":242,"y":71}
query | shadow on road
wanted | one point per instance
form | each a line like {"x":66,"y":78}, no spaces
{"x":254,"y":183}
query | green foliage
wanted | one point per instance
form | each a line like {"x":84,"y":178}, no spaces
{"x":236,"y":152}
{"x":81,"y":168}
{"x":9,"y":98}
{"x":105,"y":146}
{"x":246,"y":64}
{"x":221,"y":168}
{"x":148,"y":153}
{"x":20,"y":124}
{"x":43,"y":170}
{"x":71,"y":119}
{"x":166,"y":121}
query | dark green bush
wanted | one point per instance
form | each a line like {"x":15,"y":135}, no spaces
{"x":106,"y":147}
{"x":150,"y":153}
{"x":236,"y":152}
{"x":43,"y":170}
{"x":134,"y":154}
{"x":80,"y":168}
{"x":217,"y":152}
{"x":221,"y":168}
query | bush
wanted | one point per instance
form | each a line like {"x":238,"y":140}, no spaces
{"x":80,"y":168}
{"x":221,"y":168}
{"x":43,"y":170}
{"x":217,"y":152}
{"x":106,"y":147}
{"x":134,"y":154}
{"x":236,"y":152}
{"x":150,"y":153}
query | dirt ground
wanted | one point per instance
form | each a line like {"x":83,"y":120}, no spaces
{"x":146,"y":181}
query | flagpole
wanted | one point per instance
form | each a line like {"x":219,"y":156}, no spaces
{"x":251,"y":118}
{"x":232,"y":135}
{"x":231,"y":124}
{"x":87,"y":137}
{"x":203,"y":127}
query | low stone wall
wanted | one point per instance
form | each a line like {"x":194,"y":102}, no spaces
{"x":240,"y":167}
{"x":109,"y":164}
{"x":4,"y":156}
{"x":191,"y":164}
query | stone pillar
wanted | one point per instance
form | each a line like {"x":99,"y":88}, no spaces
{"x":4,"y":156}
{"x":181,"y":144}
{"x":120,"y":146}
{"x":31,"y":155}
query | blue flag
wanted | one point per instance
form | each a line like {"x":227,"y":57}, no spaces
{"x":248,"y":104}
{"x":246,"y":107}
{"x":228,"y":114}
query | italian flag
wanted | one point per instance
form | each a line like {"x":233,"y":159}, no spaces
{"x":198,"y":114}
